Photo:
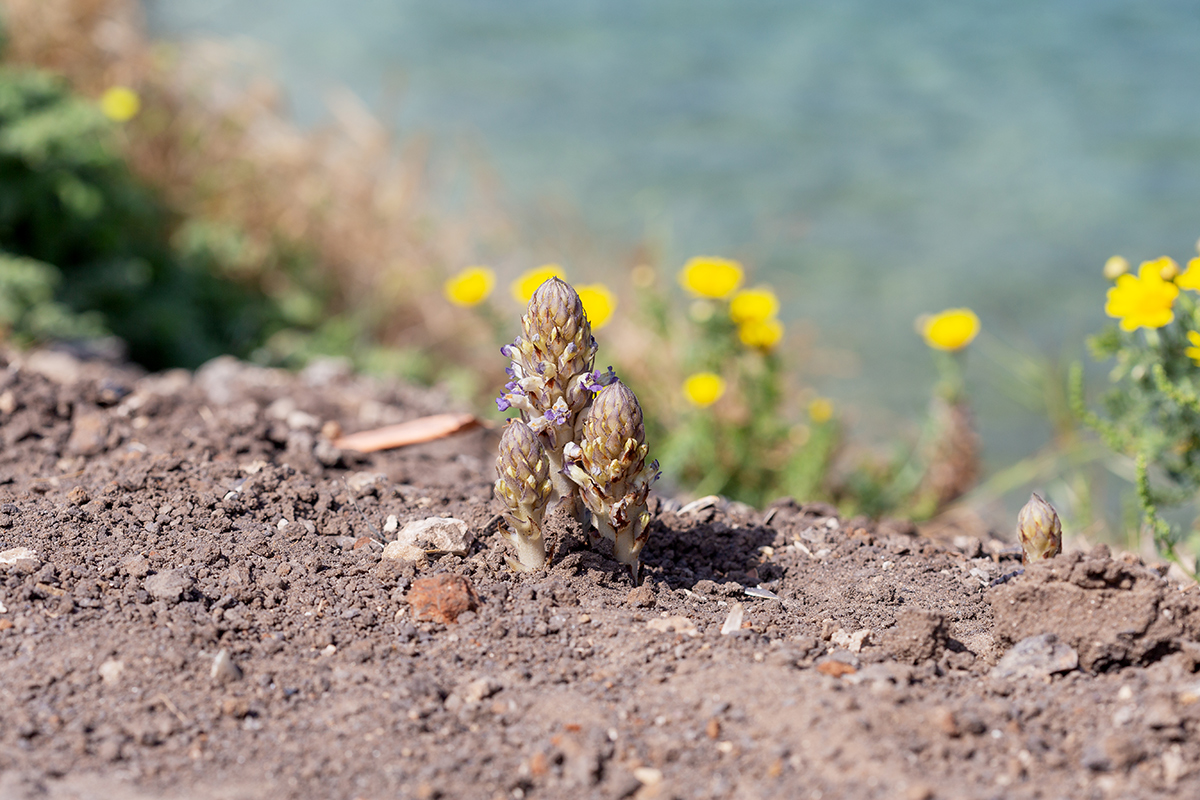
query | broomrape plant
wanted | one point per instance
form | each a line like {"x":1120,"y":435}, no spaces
{"x":566,"y":449}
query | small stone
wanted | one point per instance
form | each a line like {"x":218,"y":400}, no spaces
{"x":89,"y":430}
{"x":169,"y":585}
{"x":641,"y":597}
{"x":851,"y":641}
{"x":22,"y":556}
{"x":648,"y":776}
{"x":78,"y":496}
{"x":223,"y":668}
{"x":418,"y":539}
{"x":713,"y":728}
{"x":678,"y":624}
{"x":8,"y":402}
{"x":1036,"y":657}
{"x":733,"y":622}
{"x":441,"y":598}
{"x":391,"y":524}
{"x":110,"y":671}
{"x":359,"y":482}
{"x":136,"y":566}
{"x":836,"y":669}
{"x":478,"y":690}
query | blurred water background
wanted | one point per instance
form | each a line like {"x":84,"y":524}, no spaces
{"x":873,"y":160}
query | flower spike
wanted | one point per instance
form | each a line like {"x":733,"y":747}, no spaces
{"x":609,"y":466}
{"x":523,"y":485}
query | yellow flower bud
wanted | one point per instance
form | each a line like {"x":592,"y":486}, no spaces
{"x":708,"y":276}
{"x":703,"y":389}
{"x":953,"y":329}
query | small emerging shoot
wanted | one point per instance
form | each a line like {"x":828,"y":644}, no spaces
{"x":1039,"y":530}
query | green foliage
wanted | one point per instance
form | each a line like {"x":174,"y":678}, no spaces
{"x":1153,"y":416}
{"x":87,"y":249}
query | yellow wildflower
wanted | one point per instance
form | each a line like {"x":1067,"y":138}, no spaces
{"x":469,"y":287}
{"x":1144,"y":301}
{"x":703,"y":388}
{"x":120,"y":103}
{"x":1190,"y":279}
{"x":1115,"y":267}
{"x":820,"y":409}
{"x":599,"y":303}
{"x":953,"y":329}
{"x":1193,"y":352}
{"x":524,"y":286}
{"x":761,"y":333}
{"x":753,"y":305}
{"x":709,"y":276}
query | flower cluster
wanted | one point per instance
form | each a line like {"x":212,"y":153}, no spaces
{"x":1154,"y":405}
{"x":552,"y":383}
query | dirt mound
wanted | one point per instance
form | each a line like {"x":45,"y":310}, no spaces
{"x":194,"y":602}
{"x":1113,"y":613}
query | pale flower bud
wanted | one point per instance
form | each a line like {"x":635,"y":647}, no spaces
{"x":1039,"y":530}
{"x":1115,"y":267}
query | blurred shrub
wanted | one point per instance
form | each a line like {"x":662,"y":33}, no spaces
{"x":85,"y":246}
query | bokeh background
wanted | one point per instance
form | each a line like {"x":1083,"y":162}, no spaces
{"x":873,"y":161}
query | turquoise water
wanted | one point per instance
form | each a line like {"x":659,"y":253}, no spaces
{"x":873,"y":159}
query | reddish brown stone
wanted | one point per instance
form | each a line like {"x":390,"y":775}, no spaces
{"x":441,"y":598}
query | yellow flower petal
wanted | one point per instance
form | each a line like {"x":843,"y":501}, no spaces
{"x":952,"y":329}
{"x":120,"y":103}
{"x":1144,"y":301}
{"x":1190,"y":279}
{"x":598,"y":303}
{"x":709,"y":276}
{"x":761,"y":333}
{"x":703,"y":388}
{"x":820,"y":409}
{"x":753,"y":305}
{"x":470,"y":287}
{"x":524,"y":286}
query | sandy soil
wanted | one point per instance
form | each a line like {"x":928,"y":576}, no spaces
{"x":194,"y":603}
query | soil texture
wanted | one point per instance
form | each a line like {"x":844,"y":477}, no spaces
{"x":195,"y":603}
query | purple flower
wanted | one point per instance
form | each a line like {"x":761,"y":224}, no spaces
{"x":607,"y":377}
{"x":502,"y":402}
{"x":508,"y":350}
{"x":557,"y":415}
{"x":512,"y":387}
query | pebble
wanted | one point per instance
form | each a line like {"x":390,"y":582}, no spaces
{"x":89,"y":431}
{"x":441,"y":598}
{"x":733,"y":622}
{"x":168,"y":585}
{"x":223,"y":668}
{"x":1036,"y":657}
{"x":13,"y":555}
{"x":851,"y":641}
{"x":678,"y":624}
{"x":110,"y":671}
{"x":431,"y":535}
